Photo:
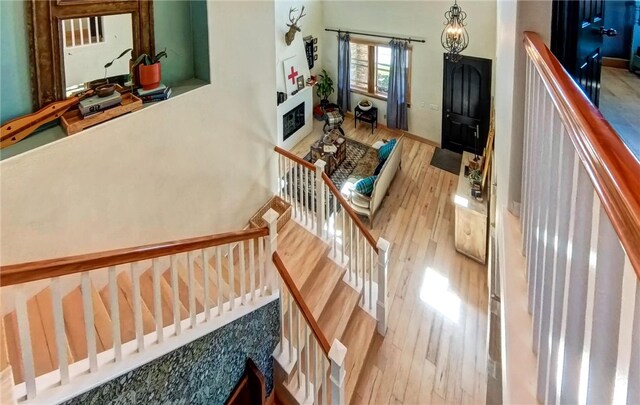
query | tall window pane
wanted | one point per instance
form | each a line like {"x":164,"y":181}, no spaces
{"x":359,"y":66}
{"x":383,"y":64}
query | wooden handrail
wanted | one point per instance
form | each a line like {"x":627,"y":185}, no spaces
{"x":295,"y":158}
{"x":334,"y":190}
{"x":612,"y":167}
{"x":306,"y":312}
{"x":32,"y":271}
{"x":345,"y":206}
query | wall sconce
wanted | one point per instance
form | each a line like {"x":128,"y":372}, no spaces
{"x":455,"y":38}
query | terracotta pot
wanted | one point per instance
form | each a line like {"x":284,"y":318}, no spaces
{"x":150,"y":76}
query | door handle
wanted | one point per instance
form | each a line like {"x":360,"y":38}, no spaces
{"x":609,"y":32}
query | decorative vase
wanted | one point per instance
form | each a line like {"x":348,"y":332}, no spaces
{"x":150,"y":76}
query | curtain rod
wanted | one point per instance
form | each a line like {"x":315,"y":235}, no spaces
{"x":376,"y":35}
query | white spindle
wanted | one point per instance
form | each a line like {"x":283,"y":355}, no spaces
{"x":261,"y":266}
{"x":175,"y":296}
{"x":219,"y":285}
{"x":24,"y":333}
{"x":351,"y":258}
{"x":252,"y":269}
{"x":305,"y":195}
{"x":357,"y":257}
{"x":320,"y":186}
{"x":90,"y":330}
{"x":628,"y":311}
{"x":290,"y":324}
{"x":313,"y":198}
{"x":296,"y":191}
{"x":137,"y":305}
{"x":81,"y":30}
{"x":316,"y":363}
{"x":73,"y":32}
{"x":157,"y":299}
{"x":633,"y":390}
{"x":205,"y":284}
{"x":115,"y":314}
{"x":243,"y":277}
{"x":191,"y":285}
{"x":327,"y":215}
{"x":298,"y":346}
{"x":282,"y":316}
{"x":372,"y":266}
{"x":289,"y":181}
{"x":307,"y":373}
{"x":232,"y":287}
{"x":61,"y":337}
{"x":324,"y":386}
{"x":337,"y":355}
{"x":280,"y":181}
{"x":342,"y":235}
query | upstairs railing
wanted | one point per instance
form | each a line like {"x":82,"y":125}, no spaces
{"x":319,"y":205}
{"x":581,"y":238}
{"x":209,"y":281}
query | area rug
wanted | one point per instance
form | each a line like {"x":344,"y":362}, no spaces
{"x":360,"y":162}
{"x":447,"y":160}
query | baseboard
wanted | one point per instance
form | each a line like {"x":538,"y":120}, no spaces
{"x":400,"y":132}
{"x":618,"y":63}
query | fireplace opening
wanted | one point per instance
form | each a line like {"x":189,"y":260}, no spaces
{"x":293,"y":121}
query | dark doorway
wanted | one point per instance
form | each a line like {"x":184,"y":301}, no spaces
{"x":577,"y":39}
{"x":466,"y":104}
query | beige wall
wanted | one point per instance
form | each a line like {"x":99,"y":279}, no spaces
{"x":197,"y":164}
{"x":418,"y":19}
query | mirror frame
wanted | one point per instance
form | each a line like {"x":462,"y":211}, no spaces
{"x":44,"y":19}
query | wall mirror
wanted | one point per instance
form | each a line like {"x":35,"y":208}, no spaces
{"x":72,"y":40}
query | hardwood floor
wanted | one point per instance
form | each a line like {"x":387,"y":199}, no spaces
{"x":620,"y":104}
{"x":435,"y":347}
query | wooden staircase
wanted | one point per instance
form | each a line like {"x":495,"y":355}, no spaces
{"x":334,"y":304}
{"x":41,"y":319}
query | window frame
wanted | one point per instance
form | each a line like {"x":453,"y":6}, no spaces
{"x":372,"y":76}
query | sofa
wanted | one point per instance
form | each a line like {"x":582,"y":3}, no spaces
{"x":368,"y":205}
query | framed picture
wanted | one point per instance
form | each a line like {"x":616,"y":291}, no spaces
{"x":291,"y":72}
{"x":300,"y":82}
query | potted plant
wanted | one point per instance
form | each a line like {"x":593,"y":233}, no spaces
{"x":325,"y":88}
{"x":149,"y":70}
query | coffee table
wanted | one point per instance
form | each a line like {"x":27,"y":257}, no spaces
{"x":333,"y":153}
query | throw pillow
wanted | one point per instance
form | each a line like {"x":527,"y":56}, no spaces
{"x":365,"y":186}
{"x":379,"y":167}
{"x":385,"y":150}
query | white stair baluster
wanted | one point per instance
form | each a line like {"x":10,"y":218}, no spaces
{"x":205,"y":284}
{"x":191,"y":287}
{"x":320,"y":186}
{"x":157,"y":299}
{"x":261,"y":265}
{"x":335,"y":225}
{"x":61,"y":337}
{"x":232,"y":278}
{"x":337,"y":355}
{"x":137,"y":305}
{"x":243,"y":278}
{"x":371,"y":268}
{"x":351,"y":258}
{"x":252,"y":269}
{"x":290,"y":324}
{"x":24,"y":333}
{"x":307,"y":373}
{"x":115,"y":315}
{"x":342,"y":235}
{"x":90,"y":330}
{"x":298,"y":346}
{"x":219,"y":285}
{"x":175,"y":296}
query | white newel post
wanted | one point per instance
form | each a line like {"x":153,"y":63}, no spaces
{"x":271,"y":218}
{"x":381,"y":307}
{"x":320,"y":164}
{"x":337,"y":354}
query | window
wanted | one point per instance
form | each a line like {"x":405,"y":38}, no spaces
{"x":83,"y":31}
{"x":370,"y":66}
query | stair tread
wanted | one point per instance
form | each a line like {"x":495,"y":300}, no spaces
{"x":101,"y":322}
{"x":166,"y":297}
{"x":74,"y":324}
{"x":336,"y":314}
{"x":293,"y":239}
{"x":357,"y":339}
{"x":321,"y":283}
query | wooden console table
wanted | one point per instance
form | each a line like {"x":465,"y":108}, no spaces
{"x":471,"y":218}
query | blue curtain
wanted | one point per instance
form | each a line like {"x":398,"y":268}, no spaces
{"x":344,"y":70}
{"x":397,"y":95}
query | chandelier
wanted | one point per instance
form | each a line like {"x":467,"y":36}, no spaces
{"x":455,"y":38}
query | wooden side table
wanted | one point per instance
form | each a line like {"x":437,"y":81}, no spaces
{"x":333,"y":159}
{"x":471,"y":217}
{"x":370,"y":116}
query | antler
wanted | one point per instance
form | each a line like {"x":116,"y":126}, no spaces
{"x":293,"y":10}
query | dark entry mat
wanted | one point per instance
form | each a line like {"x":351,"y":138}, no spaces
{"x":447,"y":160}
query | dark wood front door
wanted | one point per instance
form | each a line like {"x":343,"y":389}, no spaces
{"x":576,"y":40}
{"x":466,"y":104}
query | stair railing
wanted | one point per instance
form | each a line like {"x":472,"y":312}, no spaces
{"x":320,"y":206}
{"x":581,"y":238}
{"x":212,"y":264}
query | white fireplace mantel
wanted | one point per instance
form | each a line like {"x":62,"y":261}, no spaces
{"x":289,"y":104}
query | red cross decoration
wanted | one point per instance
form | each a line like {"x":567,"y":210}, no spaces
{"x":293,"y":75}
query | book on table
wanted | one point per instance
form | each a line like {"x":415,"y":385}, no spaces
{"x":95,"y":104}
{"x":152,"y":92}
{"x":157,"y":97}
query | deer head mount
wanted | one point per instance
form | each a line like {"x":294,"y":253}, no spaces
{"x":293,"y":27}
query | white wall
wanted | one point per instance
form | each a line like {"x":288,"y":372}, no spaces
{"x":86,"y":63}
{"x":417,"y":19}
{"x":198,"y":164}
